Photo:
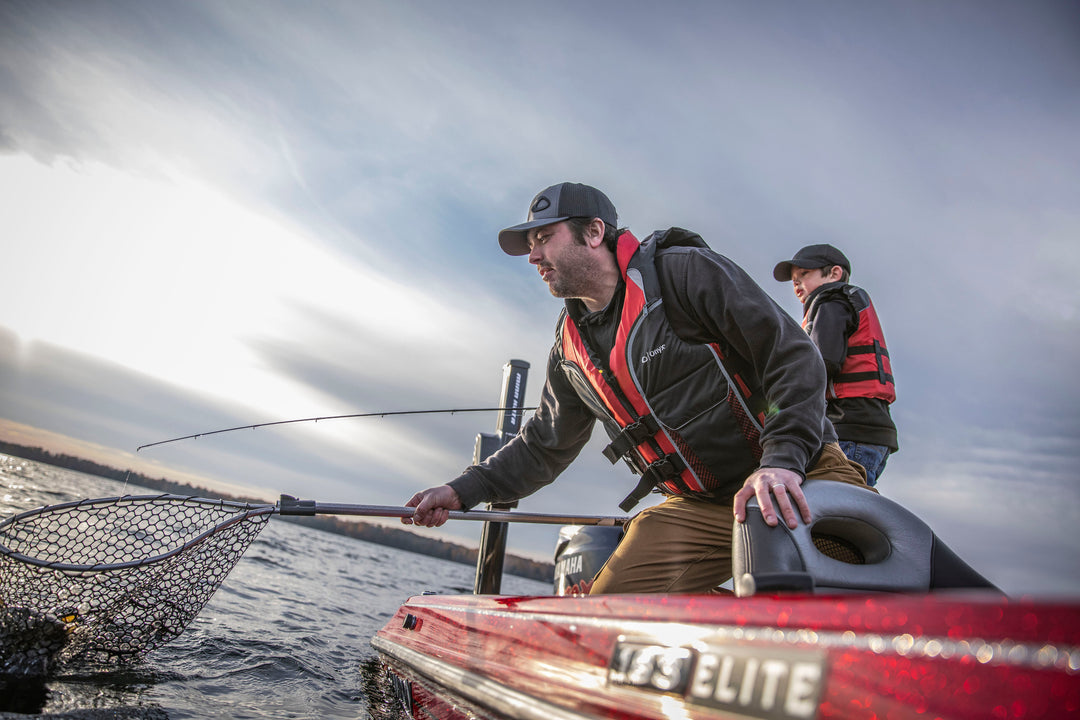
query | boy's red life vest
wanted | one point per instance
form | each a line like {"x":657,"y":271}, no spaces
{"x":866,"y":370}
{"x":675,"y":411}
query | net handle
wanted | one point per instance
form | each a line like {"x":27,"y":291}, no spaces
{"x":289,"y":505}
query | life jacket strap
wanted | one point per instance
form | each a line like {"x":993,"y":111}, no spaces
{"x":882,"y":377}
{"x":878,"y":351}
{"x":665,"y":469}
{"x":631,"y":436}
{"x":875,"y":349}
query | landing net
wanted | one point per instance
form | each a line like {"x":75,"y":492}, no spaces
{"x":106,"y":581}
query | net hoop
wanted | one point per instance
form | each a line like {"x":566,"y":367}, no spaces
{"x":243,"y":510}
{"x":105,"y":581}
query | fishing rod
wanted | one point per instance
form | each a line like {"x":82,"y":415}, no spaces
{"x":450,"y":411}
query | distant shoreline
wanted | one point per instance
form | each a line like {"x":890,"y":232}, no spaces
{"x":368,"y":532}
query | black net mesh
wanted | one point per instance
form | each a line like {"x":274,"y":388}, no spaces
{"x":105,"y":581}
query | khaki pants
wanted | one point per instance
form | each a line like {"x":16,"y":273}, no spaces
{"x":683,"y":545}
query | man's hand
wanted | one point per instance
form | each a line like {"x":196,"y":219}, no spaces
{"x":767,"y":483}
{"x":433,"y":506}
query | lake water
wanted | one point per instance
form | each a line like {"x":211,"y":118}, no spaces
{"x":286,"y":636}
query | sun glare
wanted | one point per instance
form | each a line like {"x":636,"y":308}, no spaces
{"x":168,"y":276}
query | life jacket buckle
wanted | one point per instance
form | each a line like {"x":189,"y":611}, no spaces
{"x":667,"y":468}
{"x":631,"y":436}
{"x":664,"y":469}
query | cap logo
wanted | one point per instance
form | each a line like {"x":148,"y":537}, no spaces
{"x":541,"y":204}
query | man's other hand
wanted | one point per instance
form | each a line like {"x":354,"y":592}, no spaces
{"x":769,"y":483}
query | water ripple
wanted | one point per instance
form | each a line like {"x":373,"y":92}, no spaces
{"x":287,"y":635}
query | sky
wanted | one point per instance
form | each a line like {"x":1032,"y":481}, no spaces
{"x":227,"y":213}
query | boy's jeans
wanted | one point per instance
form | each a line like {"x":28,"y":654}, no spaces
{"x":871,"y":457}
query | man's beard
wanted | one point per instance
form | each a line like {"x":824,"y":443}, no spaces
{"x":574,"y":273}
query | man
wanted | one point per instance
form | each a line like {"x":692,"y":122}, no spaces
{"x":706,"y":387}
{"x":842,"y":322}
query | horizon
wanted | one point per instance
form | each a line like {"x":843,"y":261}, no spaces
{"x":113,"y":459}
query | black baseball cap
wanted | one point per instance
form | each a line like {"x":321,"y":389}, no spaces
{"x":811,"y":256}
{"x":555,"y":204}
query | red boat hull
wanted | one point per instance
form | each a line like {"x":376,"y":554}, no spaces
{"x":958,"y":656}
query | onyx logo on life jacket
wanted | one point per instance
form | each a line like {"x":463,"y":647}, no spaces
{"x":652,"y":353}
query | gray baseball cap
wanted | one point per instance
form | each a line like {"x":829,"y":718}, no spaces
{"x":555,"y":204}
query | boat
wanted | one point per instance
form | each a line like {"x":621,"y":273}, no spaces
{"x":899,"y":627}
{"x":863,"y":614}
{"x":951,"y":655}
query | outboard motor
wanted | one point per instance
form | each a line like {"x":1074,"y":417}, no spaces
{"x":580,"y":553}
{"x":858,"y":541}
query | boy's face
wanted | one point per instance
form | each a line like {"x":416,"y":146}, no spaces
{"x":807,"y":281}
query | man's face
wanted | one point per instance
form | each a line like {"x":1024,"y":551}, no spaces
{"x":566,"y":265}
{"x":807,"y":281}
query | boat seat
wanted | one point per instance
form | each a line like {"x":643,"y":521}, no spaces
{"x":858,"y":541}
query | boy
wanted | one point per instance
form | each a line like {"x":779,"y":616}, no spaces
{"x":842,"y":322}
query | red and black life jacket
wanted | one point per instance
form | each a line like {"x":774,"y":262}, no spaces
{"x":866,"y":370}
{"x":675,"y":411}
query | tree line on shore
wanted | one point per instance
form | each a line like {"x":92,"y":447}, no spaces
{"x":368,"y":532}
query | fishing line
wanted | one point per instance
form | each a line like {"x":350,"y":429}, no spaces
{"x":451,"y":411}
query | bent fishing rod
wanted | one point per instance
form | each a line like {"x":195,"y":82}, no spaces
{"x":450,"y":411}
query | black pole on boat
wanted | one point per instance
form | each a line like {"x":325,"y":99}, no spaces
{"x":489,"y":559}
